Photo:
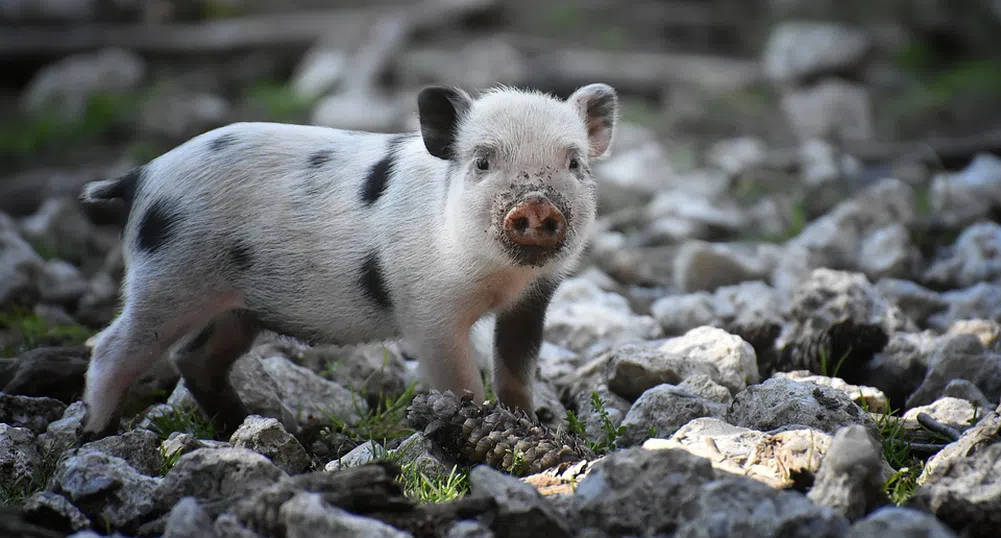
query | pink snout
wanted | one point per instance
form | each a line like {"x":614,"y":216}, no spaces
{"x":535,"y":222}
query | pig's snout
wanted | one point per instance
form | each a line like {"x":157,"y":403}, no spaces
{"x":535,"y":222}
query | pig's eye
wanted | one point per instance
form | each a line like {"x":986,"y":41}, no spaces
{"x":482,"y":164}
{"x":574,"y":164}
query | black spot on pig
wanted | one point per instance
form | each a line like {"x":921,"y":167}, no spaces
{"x":320,"y":158}
{"x":157,"y":226}
{"x":373,"y":281}
{"x":241,"y":255}
{"x":222,"y":142}
{"x":378,"y":176}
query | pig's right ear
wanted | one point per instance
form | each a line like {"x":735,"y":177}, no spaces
{"x":440,"y":109}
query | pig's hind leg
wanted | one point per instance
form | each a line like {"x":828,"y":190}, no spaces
{"x":159,"y":310}
{"x":205,"y":361}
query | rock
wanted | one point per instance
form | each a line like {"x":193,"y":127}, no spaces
{"x":306,"y":515}
{"x":52,"y":372}
{"x":961,"y":356}
{"x":830,"y":109}
{"x":915,"y":301}
{"x":19,"y":455}
{"x":62,"y":433}
{"x":48,"y":10}
{"x":309,"y":396}
{"x":889,"y":252}
{"x":704,"y":386}
{"x":228,"y":526}
{"x":188,"y":518}
{"x":615,"y":408}
{"x":953,"y":412}
{"x":20,"y":269}
{"x":421,"y":452}
{"x":97,"y":306}
{"x":105,"y":488}
{"x":479,"y":63}
{"x":965,"y":493}
{"x":965,"y":389}
{"x":678,"y":314}
{"x":733,"y":507}
{"x":703,"y":211}
{"x":747,"y":305}
{"x":980,"y":301}
{"x":631,"y":176}
{"x":735,"y":155}
{"x":357,"y":456}
{"x":521,"y":510}
{"x":32,"y":413}
{"x":973,"y":441}
{"x":182,"y":114}
{"x":465,"y":528}
{"x":582,"y":316}
{"x":221,"y":475}
{"x":266,"y":436}
{"x":701,"y":265}
{"x":899,"y":522}
{"x":975,"y":257}
{"x":319,"y":71}
{"x":68,"y":85}
{"x":823,"y":168}
{"x":798,"y":50}
{"x":733,"y":357}
{"x":960,"y":198}
{"x":376,"y":368}
{"x":140,"y":448}
{"x":780,"y":402}
{"x":840,"y":322}
{"x":62,"y":228}
{"x":358,"y":111}
{"x":836,"y":238}
{"x":55,"y":511}
{"x":988,"y":331}
{"x":633,"y":369}
{"x":850,"y":477}
{"x":869,"y":398}
{"x":899,"y":369}
{"x":177,"y":444}
{"x":665,"y":479}
{"x":661,"y":411}
{"x":61,"y":283}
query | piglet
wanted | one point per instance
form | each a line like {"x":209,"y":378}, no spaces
{"x":337,"y":236}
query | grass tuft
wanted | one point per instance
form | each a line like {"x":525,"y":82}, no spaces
{"x":610,"y":433}
{"x":31,"y":331}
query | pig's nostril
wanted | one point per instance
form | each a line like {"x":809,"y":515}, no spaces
{"x":521,"y":224}
{"x":550,"y":226}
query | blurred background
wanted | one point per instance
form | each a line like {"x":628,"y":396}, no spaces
{"x":756,"y":115}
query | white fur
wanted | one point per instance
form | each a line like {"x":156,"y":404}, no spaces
{"x":435,"y":236}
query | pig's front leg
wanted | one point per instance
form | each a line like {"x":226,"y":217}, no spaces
{"x":517,"y":341}
{"x":441,"y":344}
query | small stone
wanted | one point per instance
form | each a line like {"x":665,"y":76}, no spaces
{"x":633,"y":369}
{"x":32,"y":413}
{"x":521,"y":510}
{"x":987,"y":330}
{"x":662,"y":410}
{"x":963,"y":197}
{"x":105,"y":488}
{"x":778,"y":402}
{"x":306,"y":515}
{"x":964,"y":389}
{"x":140,"y":448}
{"x":850,"y":478}
{"x":357,"y":111}
{"x":50,"y":507}
{"x":61,"y":283}
{"x":735,"y":155}
{"x":468,"y":529}
{"x":960,"y":356}
{"x":899,"y":522}
{"x":889,"y":252}
{"x":214,"y":474}
{"x":20,"y":269}
{"x":584,"y":318}
{"x":830,"y":109}
{"x":701,"y":265}
{"x":869,"y":398}
{"x":52,"y":372}
{"x":188,"y":518}
{"x":357,"y":456}
{"x":975,"y":257}
{"x":732,"y":356}
{"x":797,"y":50}
{"x":704,"y":386}
{"x":19,"y":455}
{"x":267,"y":436}
{"x":69,"y":84}
{"x":916,"y":301}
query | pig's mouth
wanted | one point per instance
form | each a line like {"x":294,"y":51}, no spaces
{"x":534,"y":226}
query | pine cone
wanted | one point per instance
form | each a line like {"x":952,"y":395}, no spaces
{"x":508,"y":440}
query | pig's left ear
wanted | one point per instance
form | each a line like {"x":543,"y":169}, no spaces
{"x":598,"y":104}
{"x":440,"y":109}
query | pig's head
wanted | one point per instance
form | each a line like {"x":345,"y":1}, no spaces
{"x":521,"y":189}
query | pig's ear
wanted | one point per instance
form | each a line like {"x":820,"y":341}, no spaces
{"x":440,"y":109}
{"x":598,"y":104}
